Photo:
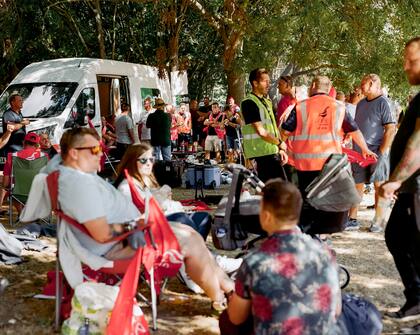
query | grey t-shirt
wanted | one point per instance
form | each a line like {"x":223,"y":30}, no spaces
{"x":86,"y":196}
{"x":122,"y":125}
{"x":371,"y":117}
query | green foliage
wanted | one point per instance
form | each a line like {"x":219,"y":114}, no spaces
{"x":343,"y":39}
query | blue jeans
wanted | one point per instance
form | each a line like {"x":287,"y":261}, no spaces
{"x":161,"y":152}
{"x":199,"y":221}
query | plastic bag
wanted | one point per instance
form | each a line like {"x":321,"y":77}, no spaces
{"x":95,"y":301}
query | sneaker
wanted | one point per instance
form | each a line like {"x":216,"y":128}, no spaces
{"x":375,"y":228}
{"x":228,"y":265}
{"x":352,"y":225}
{"x":187,"y":281}
{"x":406,"y":313}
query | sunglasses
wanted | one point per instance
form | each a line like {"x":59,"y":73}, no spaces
{"x":94,"y":150}
{"x":144,"y":160}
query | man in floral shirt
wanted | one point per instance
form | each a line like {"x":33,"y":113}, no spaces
{"x":289,"y":285}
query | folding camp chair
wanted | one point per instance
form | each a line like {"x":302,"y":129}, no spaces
{"x":22,"y":174}
{"x":150,"y":259}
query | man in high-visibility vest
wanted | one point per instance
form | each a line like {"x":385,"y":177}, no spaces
{"x":314,"y":129}
{"x":261,"y":138}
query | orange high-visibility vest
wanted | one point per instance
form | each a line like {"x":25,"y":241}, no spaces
{"x":318,"y":132}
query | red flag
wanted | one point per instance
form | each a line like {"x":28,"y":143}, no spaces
{"x":166,"y":255}
{"x":122,"y":322}
{"x":355,"y":157}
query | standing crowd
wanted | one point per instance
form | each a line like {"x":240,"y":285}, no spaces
{"x":289,"y":283}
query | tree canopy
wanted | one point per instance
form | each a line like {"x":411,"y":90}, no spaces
{"x":217,"y":41}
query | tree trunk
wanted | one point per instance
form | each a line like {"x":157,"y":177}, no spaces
{"x":236,"y":85}
{"x":98,"y":19}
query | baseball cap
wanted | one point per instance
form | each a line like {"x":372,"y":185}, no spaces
{"x":32,"y":138}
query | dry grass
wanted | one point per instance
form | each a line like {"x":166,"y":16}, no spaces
{"x":373,"y":275}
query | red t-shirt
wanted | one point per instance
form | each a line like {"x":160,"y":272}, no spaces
{"x":29,"y":153}
{"x":284,"y":102}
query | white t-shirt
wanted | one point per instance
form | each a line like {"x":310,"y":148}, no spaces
{"x":145,"y":132}
{"x":162,"y":196}
{"x":86,"y":196}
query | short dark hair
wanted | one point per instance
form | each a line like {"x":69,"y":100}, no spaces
{"x":413,"y":40}
{"x":256,"y":74}
{"x":282,"y":199}
{"x":215,"y":103}
{"x":13,"y":97}
{"x":74,"y":137}
{"x":288,"y":80}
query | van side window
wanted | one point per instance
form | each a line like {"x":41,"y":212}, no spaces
{"x":84,"y":106}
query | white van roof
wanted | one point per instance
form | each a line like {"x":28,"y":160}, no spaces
{"x":73,"y":69}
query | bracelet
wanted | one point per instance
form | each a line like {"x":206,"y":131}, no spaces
{"x":127,"y":227}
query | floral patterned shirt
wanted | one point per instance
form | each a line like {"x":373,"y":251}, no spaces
{"x":293,"y":284}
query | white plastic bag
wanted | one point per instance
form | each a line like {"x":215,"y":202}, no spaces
{"x":93,"y":301}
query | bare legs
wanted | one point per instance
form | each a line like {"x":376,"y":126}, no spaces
{"x":353,"y":210}
{"x":200,"y":264}
{"x":360,"y":188}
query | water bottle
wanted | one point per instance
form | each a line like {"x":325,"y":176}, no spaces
{"x":84,"y":330}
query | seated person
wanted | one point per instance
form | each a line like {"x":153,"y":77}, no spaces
{"x":289,"y":285}
{"x":97,"y":205}
{"x":30,"y":151}
{"x":108,"y":133}
{"x":139,"y":165}
{"x":46,"y":146}
{"x":138,"y":161}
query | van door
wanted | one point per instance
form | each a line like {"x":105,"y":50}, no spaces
{"x":83,"y":109}
{"x":113,"y":90}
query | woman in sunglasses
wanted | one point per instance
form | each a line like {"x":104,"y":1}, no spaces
{"x":199,"y":262}
{"x":139,"y":162}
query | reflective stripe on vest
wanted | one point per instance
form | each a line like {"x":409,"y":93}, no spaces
{"x":317,"y":135}
{"x":253,"y":144}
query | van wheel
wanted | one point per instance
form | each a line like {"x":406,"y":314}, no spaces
{"x":212,"y":185}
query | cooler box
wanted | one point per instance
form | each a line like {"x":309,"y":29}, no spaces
{"x":211,"y":176}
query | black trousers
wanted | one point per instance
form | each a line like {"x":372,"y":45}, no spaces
{"x":402,"y":238}
{"x":314,"y":221}
{"x":269,"y":167}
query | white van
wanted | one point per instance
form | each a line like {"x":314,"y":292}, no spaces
{"x":59,"y":94}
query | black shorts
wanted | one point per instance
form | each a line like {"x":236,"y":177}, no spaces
{"x":361,"y":174}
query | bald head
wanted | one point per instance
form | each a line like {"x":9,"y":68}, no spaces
{"x":320,"y":84}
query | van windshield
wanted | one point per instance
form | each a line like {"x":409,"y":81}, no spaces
{"x":40,"y":100}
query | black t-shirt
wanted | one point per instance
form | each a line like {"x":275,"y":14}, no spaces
{"x":231,"y":131}
{"x":250,"y":110}
{"x":406,"y":129}
{"x":159,"y":123}
{"x":205,"y":109}
{"x":17,"y":137}
{"x":211,"y":130}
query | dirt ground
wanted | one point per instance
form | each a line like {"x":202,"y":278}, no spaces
{"x":373,"y":275}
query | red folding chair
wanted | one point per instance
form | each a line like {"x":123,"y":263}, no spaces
{"x":119,"y":266}
{"x":161,"y":256}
